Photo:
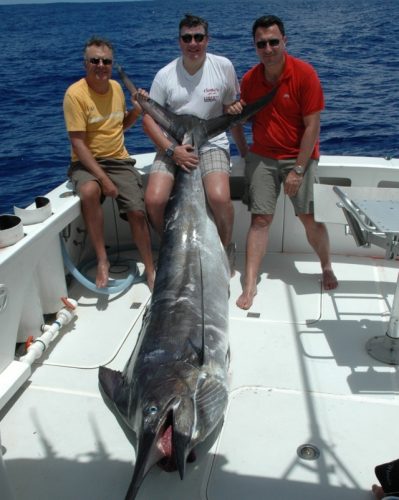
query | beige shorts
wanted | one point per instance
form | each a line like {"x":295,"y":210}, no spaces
{"x":125,"y":177}
{"x":213,"y":160}
{"x":263,"y":179}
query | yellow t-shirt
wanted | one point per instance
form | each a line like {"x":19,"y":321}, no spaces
{"x":100,"y":116}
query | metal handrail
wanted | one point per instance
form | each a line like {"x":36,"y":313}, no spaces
{"x":354,"y":210}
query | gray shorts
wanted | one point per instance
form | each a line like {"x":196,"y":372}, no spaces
{"x":263,"y":179}
{"x":213,"y":160}
{"x":123,"y":174}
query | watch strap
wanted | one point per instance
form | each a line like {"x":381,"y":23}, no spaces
{"x":169,"y":151}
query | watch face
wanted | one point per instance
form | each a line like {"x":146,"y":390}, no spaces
{"x":299,"y":170}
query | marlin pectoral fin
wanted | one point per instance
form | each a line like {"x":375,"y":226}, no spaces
{"x":113,"y":385}
{"x":251,"y":109}
{"x":211,"y":396}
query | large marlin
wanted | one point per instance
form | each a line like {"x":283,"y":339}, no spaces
{"x":173,"y":390}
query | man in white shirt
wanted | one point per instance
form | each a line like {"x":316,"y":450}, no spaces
{"x":200,"y":84}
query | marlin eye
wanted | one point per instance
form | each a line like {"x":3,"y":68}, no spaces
{"x":151,"y":410}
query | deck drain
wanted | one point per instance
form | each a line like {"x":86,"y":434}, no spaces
{"x":253,"y":315}
{"x":308,"y":452}
{"x":135,"y":305}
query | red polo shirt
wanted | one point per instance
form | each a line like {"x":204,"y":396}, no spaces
{"x":278,"y":128}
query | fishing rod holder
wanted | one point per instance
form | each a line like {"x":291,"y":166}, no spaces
{"x":377,"y":222}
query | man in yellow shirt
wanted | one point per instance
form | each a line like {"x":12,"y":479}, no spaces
{"x":96,"y":117}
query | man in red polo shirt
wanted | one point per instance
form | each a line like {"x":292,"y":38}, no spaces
{"x":285,"y":148}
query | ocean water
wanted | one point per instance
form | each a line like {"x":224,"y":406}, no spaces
{"x":353,"y":45}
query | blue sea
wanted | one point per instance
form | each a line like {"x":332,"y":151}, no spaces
{"x":354,"y":45}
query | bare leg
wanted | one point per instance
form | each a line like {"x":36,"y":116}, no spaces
{"x":217,"y":190}
{"x":141,"y":236}
{"x":157,"y":194}
{"x":257,"y":240}
{"x":317,"y":236}
{"x":93,"y":216}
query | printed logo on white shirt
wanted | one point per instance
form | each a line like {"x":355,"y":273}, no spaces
{"x":211,"y":94}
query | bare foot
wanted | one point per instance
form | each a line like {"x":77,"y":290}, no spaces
{"x":102,"y":274}
{"x":378,"y":491}
{"x":245,"y":300}
{"x":329,"y":279}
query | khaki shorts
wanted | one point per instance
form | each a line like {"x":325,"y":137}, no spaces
{"x":263,"y":179}
{"x":123,"y":174}
{"x":213,"y":160}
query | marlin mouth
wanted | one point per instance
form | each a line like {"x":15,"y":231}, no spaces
{"x":165,"y":445}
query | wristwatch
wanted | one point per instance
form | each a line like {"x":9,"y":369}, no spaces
{"x":170,"y":151}
{"x":299,"y":170}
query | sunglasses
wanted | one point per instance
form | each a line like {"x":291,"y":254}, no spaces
{"x":96,"y":61}
{"x":274,"y":42}
{"x":198,"y":37}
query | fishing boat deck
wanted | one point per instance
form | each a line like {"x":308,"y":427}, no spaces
{"x":299,"y":374}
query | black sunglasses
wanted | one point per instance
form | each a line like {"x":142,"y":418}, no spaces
{"x":198,"y":37}
{"x":96,"y":60}
{"x":274,"y":42}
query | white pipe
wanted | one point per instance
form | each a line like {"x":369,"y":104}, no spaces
{"x":39,"y":345}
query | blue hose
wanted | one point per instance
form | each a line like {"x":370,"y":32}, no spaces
{"x":116,"y":286}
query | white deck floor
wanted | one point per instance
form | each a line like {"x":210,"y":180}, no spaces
{"x":300,"y":374}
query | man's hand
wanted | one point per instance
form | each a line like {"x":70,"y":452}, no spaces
{"x":292,"y":183}
{"x":143,"y":93}
{"x":108,"y":187}
{"x":235,"y":108}
{"x":185,"y":158}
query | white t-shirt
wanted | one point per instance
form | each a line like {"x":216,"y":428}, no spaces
{"x":202,"y":94}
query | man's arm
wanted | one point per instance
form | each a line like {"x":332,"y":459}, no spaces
{"x":237,"y":132}
{"x":308,"y":141}
{"x":240,"y":139}
{"x":87,"y":159}
{"x":309,"y":138}
{"x":132,"y":115}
